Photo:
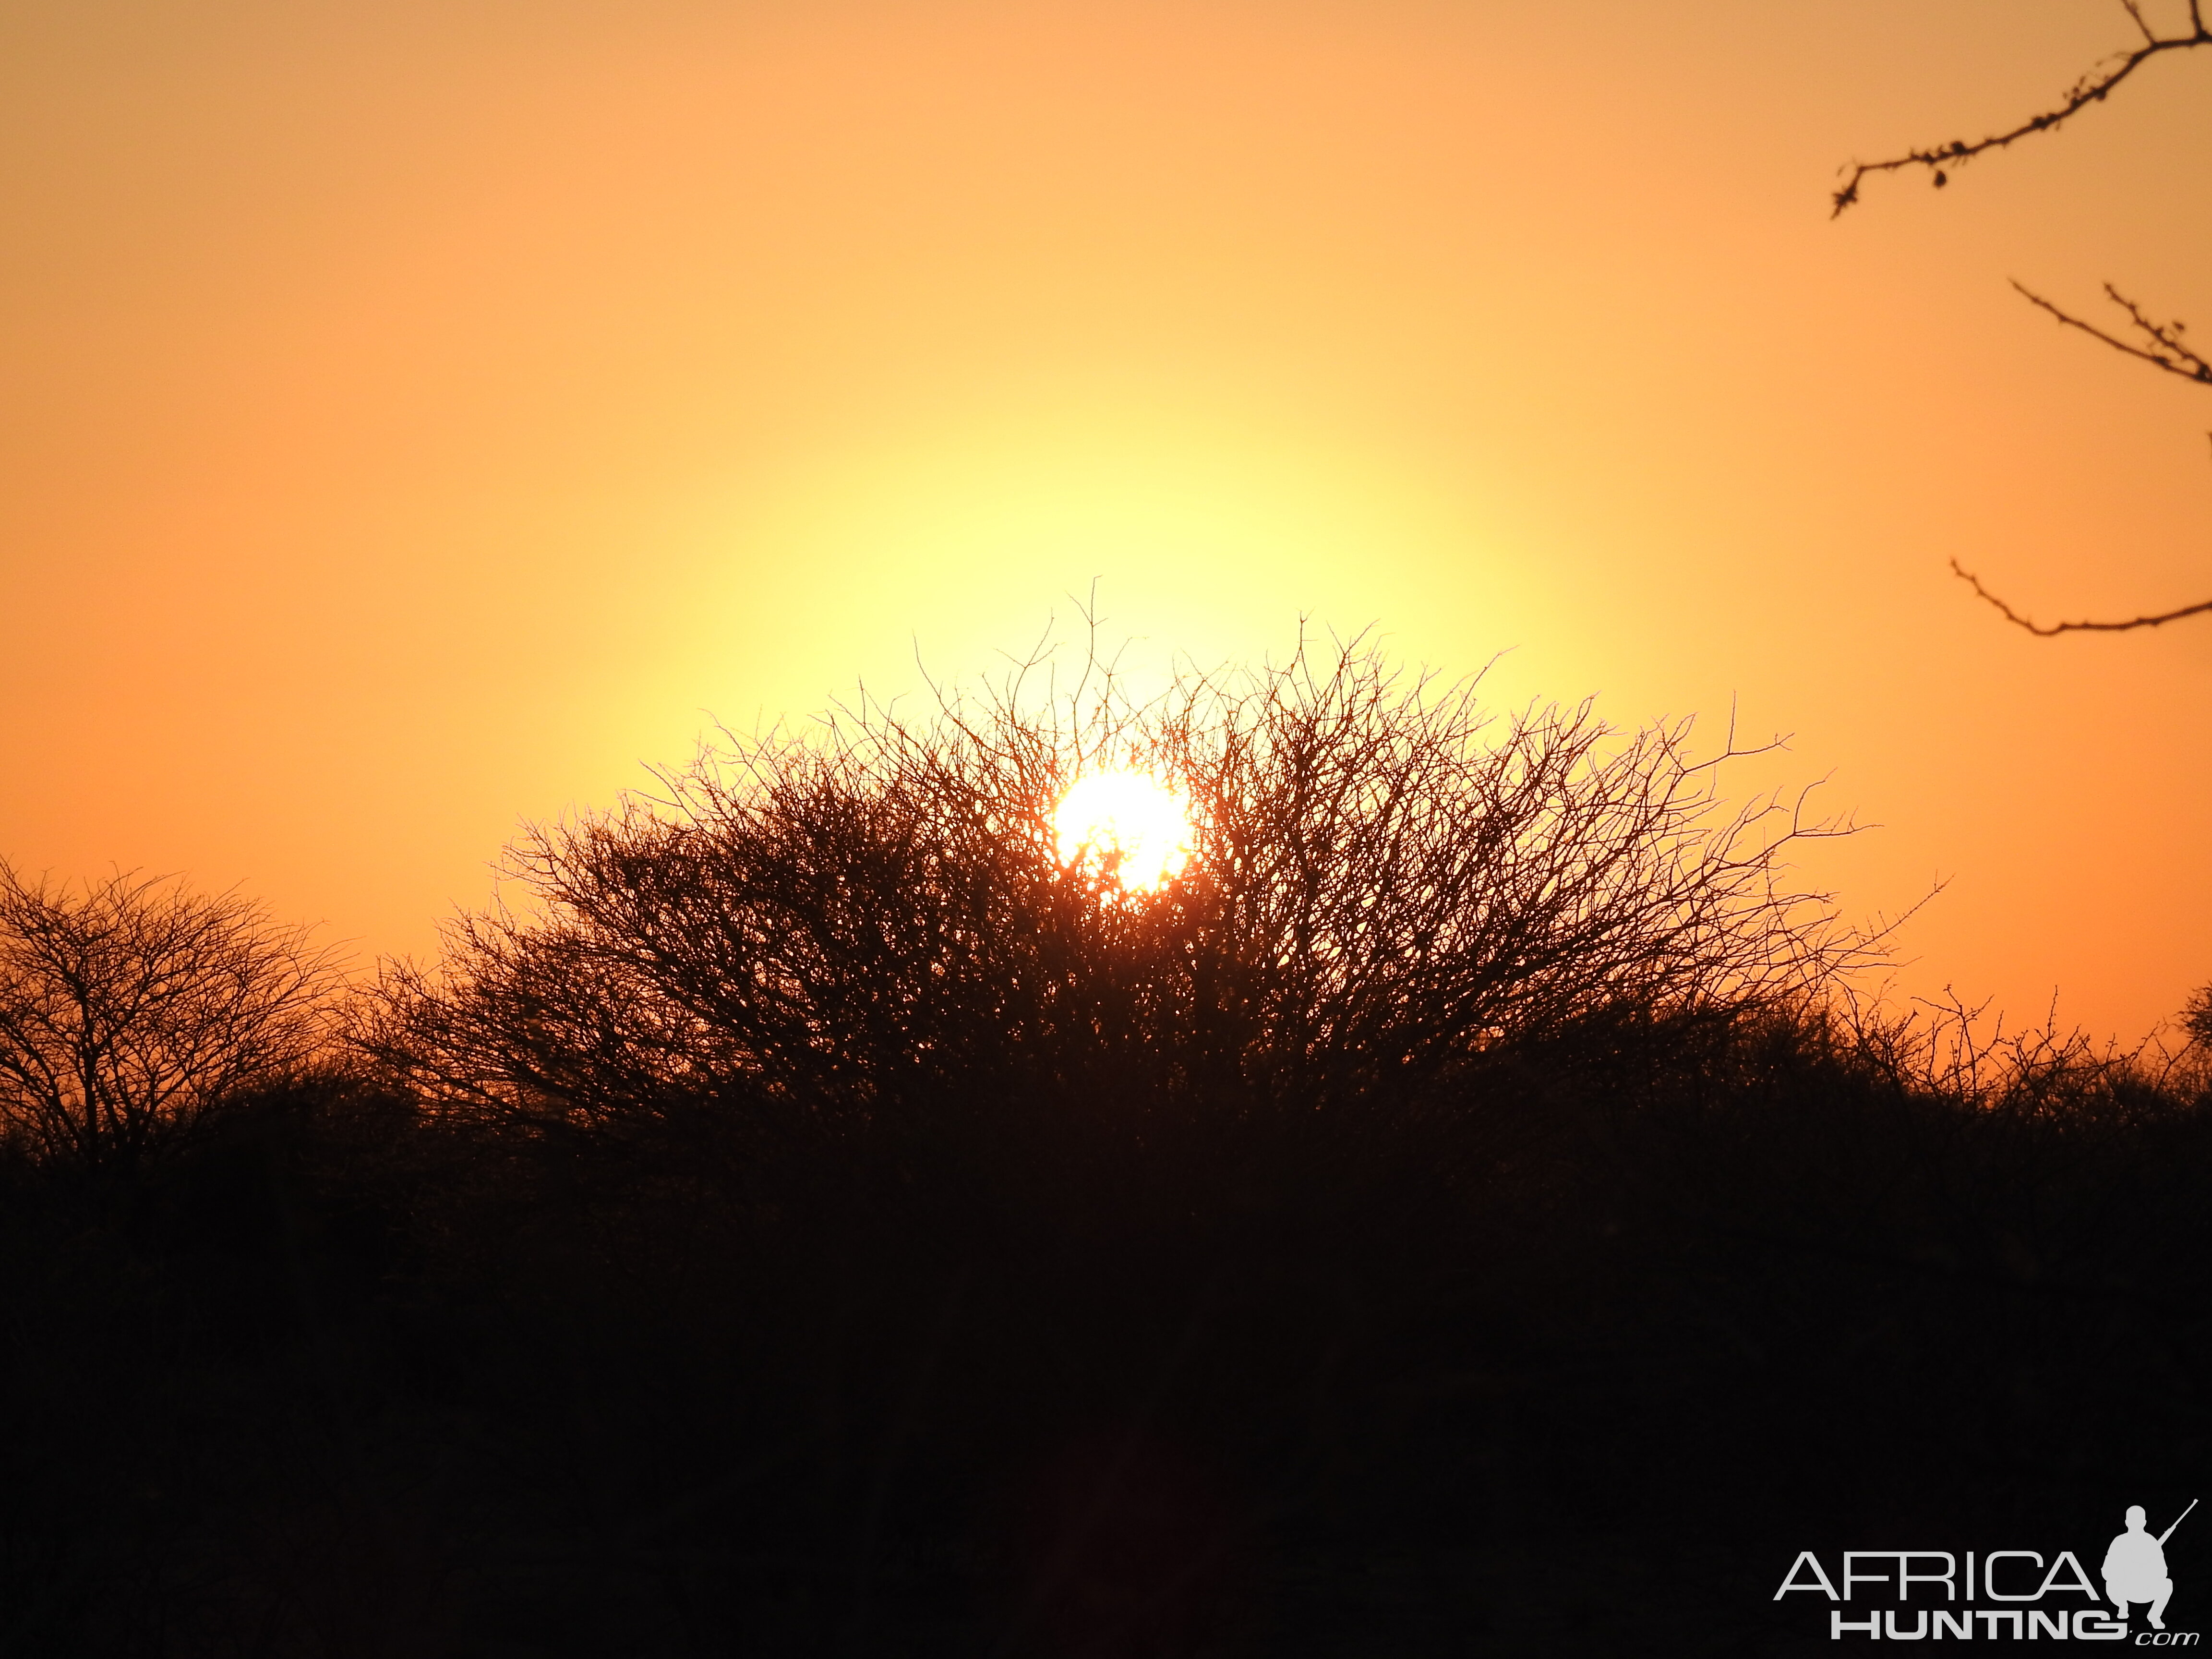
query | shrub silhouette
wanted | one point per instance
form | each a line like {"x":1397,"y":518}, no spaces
{"x":1387,"y":882}
{"x":2197,"y":1016}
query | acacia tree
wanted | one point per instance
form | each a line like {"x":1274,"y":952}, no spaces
{"x":2143,"y":337}
{"x":873,"y":926}
{"x":132,"y":1008}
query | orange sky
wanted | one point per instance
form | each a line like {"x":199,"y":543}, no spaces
{"x":414,"y":416}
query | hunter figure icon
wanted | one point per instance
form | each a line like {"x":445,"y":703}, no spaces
{"x":2135,"y":1566}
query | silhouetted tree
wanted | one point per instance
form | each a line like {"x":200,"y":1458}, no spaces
{"x":132,"y":1008}
{"x":1387,"y":884}
{"x":2197,"y":1018}
{"x":2146,"y":339}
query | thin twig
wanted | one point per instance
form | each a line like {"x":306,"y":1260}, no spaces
{"x":2018,"y":621}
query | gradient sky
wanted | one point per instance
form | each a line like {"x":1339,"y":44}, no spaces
{"x":415,"y":418}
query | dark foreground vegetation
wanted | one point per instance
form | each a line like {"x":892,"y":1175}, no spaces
{"x":1463,"y":1214}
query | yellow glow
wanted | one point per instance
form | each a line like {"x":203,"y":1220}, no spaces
{"x":1134,"y":830}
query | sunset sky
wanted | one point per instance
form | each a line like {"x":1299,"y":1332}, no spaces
{"x":416,"y":418}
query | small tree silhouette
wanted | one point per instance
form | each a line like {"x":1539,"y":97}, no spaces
{"x":132,"y":1008}
{"x":871,"y":928}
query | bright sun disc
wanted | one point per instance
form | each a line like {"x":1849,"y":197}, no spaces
{"x":1132,"y":829}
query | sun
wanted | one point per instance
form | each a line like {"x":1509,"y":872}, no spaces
{"x":1131,"y":828}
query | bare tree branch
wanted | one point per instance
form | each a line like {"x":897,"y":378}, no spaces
{"x":2160,"y":344}
{"x":2166,"y":350}
{"x":2090,"y":89}
{"x":2047,"y":631}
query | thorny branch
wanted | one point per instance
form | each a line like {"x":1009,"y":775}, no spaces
{"x":2090,"y":89}
{"x":2165,"y":350}
{"x":2157,"y":344}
